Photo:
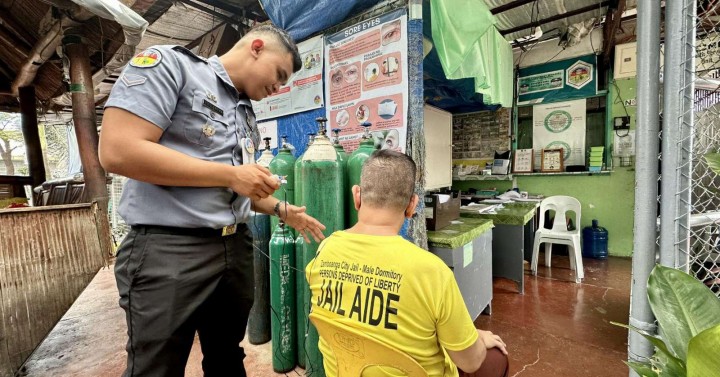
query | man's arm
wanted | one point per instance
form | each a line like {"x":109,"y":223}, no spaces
{"x":129,"y":147}
{"x":293,"y":216}
{"x":471,"y":358}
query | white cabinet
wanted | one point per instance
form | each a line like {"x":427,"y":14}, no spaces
{"x":438,"y":148}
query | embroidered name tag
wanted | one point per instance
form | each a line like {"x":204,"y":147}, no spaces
{"x":212,"y":107}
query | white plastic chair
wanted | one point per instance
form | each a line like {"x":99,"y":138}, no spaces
{"x":559,"y":233}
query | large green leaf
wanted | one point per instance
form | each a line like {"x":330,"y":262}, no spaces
{"x":683,"y":306}
{"x":655,"y":341}
{"x":643,"y":370}
{"x":703,"y":359}
{"x":668,"y":365}
{"x":713,"y":161}
{"x":668,"y":361}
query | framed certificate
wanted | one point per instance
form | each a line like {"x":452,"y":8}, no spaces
{"x":523,"y":161}
{"x":551,"y":160}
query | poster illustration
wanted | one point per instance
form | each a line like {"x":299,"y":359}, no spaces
{"x":560,"y":125}
{"x":304,"y":88}
{"x":366,"y":71}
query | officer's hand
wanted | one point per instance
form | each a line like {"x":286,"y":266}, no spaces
{"x":305,"y":224}
{"x":253,"y":181}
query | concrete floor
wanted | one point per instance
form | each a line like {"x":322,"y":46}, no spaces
{"x":557,"y":328}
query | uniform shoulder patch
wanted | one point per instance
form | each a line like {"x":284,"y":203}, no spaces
{"x":146,"y":59}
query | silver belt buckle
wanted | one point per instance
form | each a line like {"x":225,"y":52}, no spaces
{"x":229,"y":230}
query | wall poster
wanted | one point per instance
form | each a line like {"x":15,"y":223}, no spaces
{"x":560,"y":125}
{"x":479,"y":135}
{"x":304,"y":88}
{"x":366,"y":81}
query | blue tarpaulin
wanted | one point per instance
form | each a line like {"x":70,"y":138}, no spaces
{"x":304,"y":18}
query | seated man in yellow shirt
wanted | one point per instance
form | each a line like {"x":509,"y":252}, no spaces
{"x":371,"y":279}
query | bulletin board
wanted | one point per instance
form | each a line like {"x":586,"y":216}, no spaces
{"x":476,"y":136}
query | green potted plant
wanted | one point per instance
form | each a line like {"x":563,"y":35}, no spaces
{"x":688,"y":316}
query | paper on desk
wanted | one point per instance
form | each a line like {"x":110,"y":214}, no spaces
{"x":478,"y":207}
{"x":443,"y":198}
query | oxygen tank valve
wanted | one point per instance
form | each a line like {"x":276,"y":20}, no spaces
{"x":322,"y":129}
{"x":336,"y":131}
{"x":284,"y":141}
{"x":366,"y":130}
{"x":282,"y":179}
{"x":267,"y":142}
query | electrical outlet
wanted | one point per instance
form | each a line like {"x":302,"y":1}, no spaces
{"x":621,"y":123}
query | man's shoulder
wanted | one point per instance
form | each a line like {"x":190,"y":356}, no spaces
{"x":173,"y":52}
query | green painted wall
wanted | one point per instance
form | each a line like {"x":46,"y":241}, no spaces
{"x":607,"y":198}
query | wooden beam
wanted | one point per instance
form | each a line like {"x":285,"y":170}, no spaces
{"x":224,"y":6}
{"x":613,"y":19}
{"x":510,"y":5}
{"x":207,"y":10}
{"x":15,"y":180}
{"x":530,"y":25}
{"x":12,"y":44}
{"x":14,"y":27}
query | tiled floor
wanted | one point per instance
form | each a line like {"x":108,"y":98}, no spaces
{"x":557,"y":328}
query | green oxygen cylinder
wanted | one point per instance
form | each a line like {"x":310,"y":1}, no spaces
{"x":300,"y":288}
{"x":301,"y":284}
{"x":266,"y":156}
{"x":354,"y":167}
{"x":282,"y":299}
{"x":323,"y":197}
{"x":283,"y":165}
{"x":259,"y":318}
{"x":298,"y":173}
{"x":342,"y":158}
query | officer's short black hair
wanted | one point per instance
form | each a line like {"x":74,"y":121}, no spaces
{"x":283,"y":37}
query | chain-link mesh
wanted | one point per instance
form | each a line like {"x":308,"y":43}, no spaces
{"x":118,"y":228}
{"x":701,"y":123}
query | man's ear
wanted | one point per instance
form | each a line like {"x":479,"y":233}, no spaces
{"x":256,"y":46}
{"x":410,"y":209}
{"x":356,"y":196}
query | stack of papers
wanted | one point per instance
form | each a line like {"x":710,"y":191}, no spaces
{"x":479,"y":208}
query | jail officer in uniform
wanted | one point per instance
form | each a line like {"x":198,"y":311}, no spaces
{"x":182,"y":129}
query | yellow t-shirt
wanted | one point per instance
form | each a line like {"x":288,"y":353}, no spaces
{"x":398,"y":293}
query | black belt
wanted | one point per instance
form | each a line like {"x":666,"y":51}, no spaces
{"x":194,"y":232}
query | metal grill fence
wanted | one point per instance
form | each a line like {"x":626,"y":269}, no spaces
{"x":699,"y":254}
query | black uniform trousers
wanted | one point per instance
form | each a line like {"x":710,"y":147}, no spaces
{"x":174,"y":282}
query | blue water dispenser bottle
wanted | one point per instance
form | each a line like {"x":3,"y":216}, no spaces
{"x":595,"y":241}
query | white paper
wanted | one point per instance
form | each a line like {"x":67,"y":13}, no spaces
{"x":269,"y":129}
{"x":443,"y":198}
{"x":624,"y":143}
